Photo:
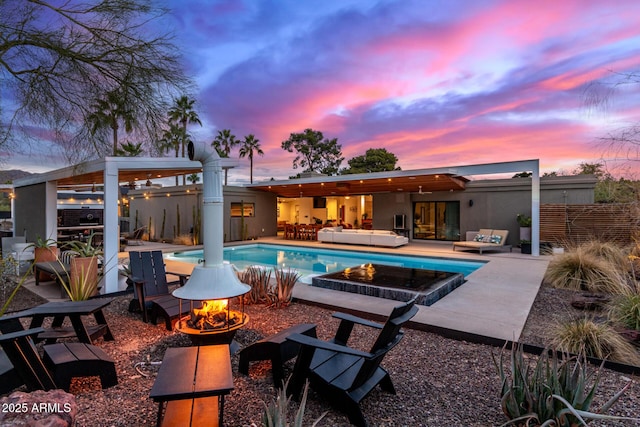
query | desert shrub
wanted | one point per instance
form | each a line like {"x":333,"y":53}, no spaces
{"x":625,"y":309}
{"x":594,"y":339}
{"x":183,"y":239}
{"x":612,"y":254}
{"x":554,"y":393}
{"x":580,"y":270}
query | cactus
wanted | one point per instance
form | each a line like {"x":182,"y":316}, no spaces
{"x":136,"y":224}
{"x":149,"y":228}
{"x":178,"y":227}
{"x":164,"y":219}
{"x":196,"y":224}
{"x":243,"y":233}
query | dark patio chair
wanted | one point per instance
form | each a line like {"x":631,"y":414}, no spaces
{"x":341,"y":374}
{"x":59,"y":365}
{"x":151,"y":290}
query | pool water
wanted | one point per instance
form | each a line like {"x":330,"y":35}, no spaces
{"x":315,"y":261}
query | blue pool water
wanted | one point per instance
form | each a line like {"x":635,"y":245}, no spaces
{"x":320,"y":261}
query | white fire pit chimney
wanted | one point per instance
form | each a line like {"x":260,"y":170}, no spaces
{"x":214,"y":279}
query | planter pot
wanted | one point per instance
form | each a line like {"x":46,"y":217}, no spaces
{"x":84,"y":277}
{"x":525,"y":248}
{"x":49,"y":254}
{"x":525,"y":233}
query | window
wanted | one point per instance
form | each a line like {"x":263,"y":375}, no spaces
{"x":236,"y":209}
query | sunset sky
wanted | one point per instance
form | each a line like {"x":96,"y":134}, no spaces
{"x":438,"y":83}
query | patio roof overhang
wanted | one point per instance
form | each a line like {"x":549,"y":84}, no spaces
{"x":371,"y":183}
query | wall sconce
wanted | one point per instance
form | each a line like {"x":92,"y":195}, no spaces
{"x":470,"y":202}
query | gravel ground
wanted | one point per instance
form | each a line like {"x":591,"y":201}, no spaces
{"x":439,"y":381}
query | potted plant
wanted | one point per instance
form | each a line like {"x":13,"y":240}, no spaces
{"x":525,"y":246}
{"x":524,"y":221}
{"x":44,"y":250}
{"x":83,"y":271}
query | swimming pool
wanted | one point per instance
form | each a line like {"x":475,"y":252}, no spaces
{"x":314,"y":261}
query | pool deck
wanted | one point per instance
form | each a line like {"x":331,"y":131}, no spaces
{"x":493,"y":303}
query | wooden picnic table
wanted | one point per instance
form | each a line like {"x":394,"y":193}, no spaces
{"x":188,"y":374}
{"x":75,"y":311}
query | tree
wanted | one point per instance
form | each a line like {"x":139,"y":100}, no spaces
{"x":129,"y":150}
{"x":224,"y":142}
{"x":182,"y":113}
{"x":248,"y":148}
{"x":193,"y":178}
{"x":522,"y":175}
{"x":374,"y":160}
{"x":596,"y":169}
{"x":56,"y":58}
{"x":174,"y":138}
{"x":315,"y":153}
{"x":109,"y":112}
{"x":622,"y":143}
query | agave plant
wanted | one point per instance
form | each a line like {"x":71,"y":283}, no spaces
{"x":276,"y":413}
{"x":285,"y":281}
{"x":554,"y":393}
{"x":258,"y":279}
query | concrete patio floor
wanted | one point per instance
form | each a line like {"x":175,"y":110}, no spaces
{"x":494,"y":302}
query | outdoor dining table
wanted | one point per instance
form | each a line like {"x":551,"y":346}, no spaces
{"x":75,"y":311}
{"x":189,"y":373}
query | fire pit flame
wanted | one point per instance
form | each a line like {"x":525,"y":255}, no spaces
{"x":213,"y":315}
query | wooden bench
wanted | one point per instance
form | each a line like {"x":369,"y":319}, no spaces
{"x":69,"y":360}
{"x":275,"y":348}
{"x":191,"y":412}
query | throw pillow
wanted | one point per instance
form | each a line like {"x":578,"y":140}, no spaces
{"x":478,"y":238}
{"x":486,"y":239}
{"x":496,"y":239}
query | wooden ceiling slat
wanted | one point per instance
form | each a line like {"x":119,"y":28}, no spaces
{"x":404,"y":184}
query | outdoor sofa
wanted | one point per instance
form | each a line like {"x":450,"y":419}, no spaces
{"x":484,"y":240}
{"x":361,"y":237}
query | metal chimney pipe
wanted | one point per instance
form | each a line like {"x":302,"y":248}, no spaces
{"x":215,"y":279}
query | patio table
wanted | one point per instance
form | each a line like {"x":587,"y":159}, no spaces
{"x":75,"y":311}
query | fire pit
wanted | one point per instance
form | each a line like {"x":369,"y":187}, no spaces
{"x":214,"y":323}
{"x":215,"y":282}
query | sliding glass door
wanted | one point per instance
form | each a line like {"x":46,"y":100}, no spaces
{"x":436,"y":220}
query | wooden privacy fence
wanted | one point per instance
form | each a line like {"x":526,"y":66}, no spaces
{"x":579,"y":223}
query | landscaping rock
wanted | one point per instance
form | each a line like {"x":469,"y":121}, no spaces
{"x":589,"y":301}
{"x":55,"y":408}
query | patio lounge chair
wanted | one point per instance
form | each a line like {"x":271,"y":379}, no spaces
{"x":61,"y":361}
{"x":151,"y":291}
{"x":135,"y":238}
{"x":486,"y":239}
{"x":344,"y":375}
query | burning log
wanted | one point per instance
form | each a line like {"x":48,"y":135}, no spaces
{"x":213,"y":315}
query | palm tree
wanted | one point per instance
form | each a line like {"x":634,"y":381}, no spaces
{"x":224,"y":143}
{"x":129,"y":150}
{"x":173,"y":138}
{"x":249,"y":147}
{"x":109,"y":112}
{"x":182,"y":113}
